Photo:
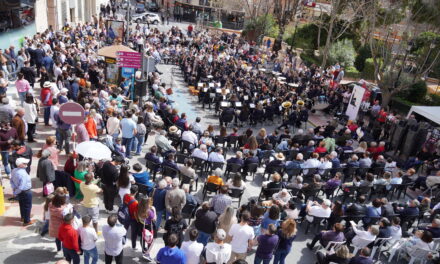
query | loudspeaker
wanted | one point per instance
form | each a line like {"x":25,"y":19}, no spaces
{"x":140,"y":87}
{"x":399,"y":132}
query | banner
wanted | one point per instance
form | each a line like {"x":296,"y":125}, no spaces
{"x":355,"y":102}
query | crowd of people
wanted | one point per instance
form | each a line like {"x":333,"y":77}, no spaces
{"x":323,"y":176}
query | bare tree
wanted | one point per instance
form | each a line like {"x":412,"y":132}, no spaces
{"x":391,"y":53}
{"x":344,"y":13}
{"x":284,"y":11}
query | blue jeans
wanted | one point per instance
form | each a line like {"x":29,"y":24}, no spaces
{"x":127,"y":142}
{"x":140,"y":142}
{"x":159,"y":217}
{"x":46,"y":115}
{"x":71,"y":255}
{"x":22,"y":96}
{"x":25,"y":203}
{"x":92,"y":253}
{"x":258,"y":260}
{"x":45,"y":228}
{"x":280,"y":256}
{"x":203,"y":238}
{"x":5,"y":161}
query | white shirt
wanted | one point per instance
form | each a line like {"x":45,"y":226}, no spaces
{"x":198,"y":153}
{"x":218,"y":254}
{"x":88,"y":237}
{"x":310,"y":163}
{"x":362,"y":238}
{"x":396,"y":233}
{"x":113,"y":125}
{"x":113,"y":239}
{"x":240,"y":237}
{"x":319,"y":211}
{"x":53,"y":110}
{"x":190,"y":137}
{"x":325,"y":165}
{"x":192,"y":251}
{"x":30,"y":113}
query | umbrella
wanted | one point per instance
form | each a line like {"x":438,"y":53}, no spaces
{"x":93,"y":149}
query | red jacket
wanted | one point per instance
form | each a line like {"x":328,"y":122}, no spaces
{"x":133,"y":207}
{"x":69,"y":236}
{"x":46,"y":97}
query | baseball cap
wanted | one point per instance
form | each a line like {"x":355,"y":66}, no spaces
{"x":221,"y":234}
{"x":20,"y":161}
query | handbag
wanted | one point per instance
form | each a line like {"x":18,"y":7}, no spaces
{"x":48,"y":188}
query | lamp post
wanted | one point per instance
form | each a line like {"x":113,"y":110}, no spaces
{"x":408,"y":49}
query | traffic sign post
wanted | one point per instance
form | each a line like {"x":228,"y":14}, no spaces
{"x":72,"y":113}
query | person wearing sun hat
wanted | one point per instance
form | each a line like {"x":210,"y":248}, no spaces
{"x":21,"y":186}
{"x":46,"y":99}
{"x":277,"y":162}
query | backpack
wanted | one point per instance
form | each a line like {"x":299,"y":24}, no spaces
{"x":124,"y":214}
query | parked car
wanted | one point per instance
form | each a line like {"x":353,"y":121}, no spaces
{"x":140,"y":8}
{"x":153,"y":7}
{"x":146,"y":17}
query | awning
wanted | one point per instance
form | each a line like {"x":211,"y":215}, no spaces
{"x":429,"y":112}
{"x":110,"y":51}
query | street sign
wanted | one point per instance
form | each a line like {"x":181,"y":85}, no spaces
{"x":129,"y":59}
{"x":72,"y":113}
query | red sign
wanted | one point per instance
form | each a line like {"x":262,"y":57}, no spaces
{"x":72,"y":113}
{"x":129,"y":59}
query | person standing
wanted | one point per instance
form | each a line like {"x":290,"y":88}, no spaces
{"x":7,"y":135}
{"x":45,"y":171}
{"x":21,"y":186}
{"x":218,"y":252}
{"x":88,"y":240}
{"x":175,"y":197}
{"x":90,"y":201}
{"x":109,"y":178}
{"x":286,"y":235}
{"x":192,"y":248}
{"x":19,"y":125}
{"x":159,"y":195}
{"x":23,"y":87}
{"x":128,"y":128}
{"x":171,"y":254}
{"x":69,"y":238}
{"x":114,"y":236}
{"x":20,"y":150}
{"x":30,"y":116}
{"x":266,"y":245}
{"x":46,"y":100}
{"x":64,"y":131}
{"x":242,"y":235}
{"x":206,"y":221}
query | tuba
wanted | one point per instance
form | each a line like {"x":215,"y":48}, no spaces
{"x":287,"y":106}
{"x":300,"y":104}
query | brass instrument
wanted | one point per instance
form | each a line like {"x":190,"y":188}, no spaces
{"x":287,"y":106}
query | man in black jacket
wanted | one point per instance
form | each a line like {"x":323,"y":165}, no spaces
{"x":357,"y":209}
{"x":109,"y":177}
{"x":227,"y":116}
{"x":29,"y":73}
{"x":206,"y":223}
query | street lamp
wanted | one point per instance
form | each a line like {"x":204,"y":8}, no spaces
{"x":407,"y":51}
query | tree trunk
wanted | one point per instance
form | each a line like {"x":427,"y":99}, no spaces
{"x":329,"y":33}
{"x":319,"y":38}
{"x":386,"y":96}
{"x":278,"y":40}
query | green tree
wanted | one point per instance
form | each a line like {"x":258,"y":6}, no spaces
{"x":363,"y":53}
{"x":261,"y":26}
{"x":342,"y":52}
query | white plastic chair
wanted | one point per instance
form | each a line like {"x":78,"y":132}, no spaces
{"x":394,"y":247}
{"x":361,"y":243}
{"x":379,"y":244}
{"x":419,"y":254}
{"x":330,"y":248}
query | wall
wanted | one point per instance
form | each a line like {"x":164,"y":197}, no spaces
{"x":41,"y":16}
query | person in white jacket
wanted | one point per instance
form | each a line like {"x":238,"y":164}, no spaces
{"x":30,"y":116}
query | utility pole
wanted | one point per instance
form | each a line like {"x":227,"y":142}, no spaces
{"x":127,"y":17}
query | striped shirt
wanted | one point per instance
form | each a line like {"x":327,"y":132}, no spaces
{"x":220,"y":202}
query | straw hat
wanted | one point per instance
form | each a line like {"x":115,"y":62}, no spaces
{"x":47,"y":84}
{"x":280,"y":156}
{"x":173,"y":129}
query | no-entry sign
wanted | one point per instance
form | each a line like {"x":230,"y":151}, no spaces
{"x":72,"y":113}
